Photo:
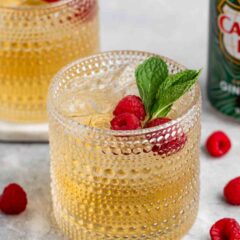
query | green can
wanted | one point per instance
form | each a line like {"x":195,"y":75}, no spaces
{"x":224,"y":57}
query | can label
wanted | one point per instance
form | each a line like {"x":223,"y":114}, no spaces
{"x":229,"y":26}
{"x":224,"y":56}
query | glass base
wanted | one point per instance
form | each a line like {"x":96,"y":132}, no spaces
{"x":15,"y":132}
{"x":75,"y":232}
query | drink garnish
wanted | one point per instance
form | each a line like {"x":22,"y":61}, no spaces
{"x":149,"y":76}
{"x":125,"y":121}
{"x":131,"y":104}
{"x":159,"y":89}
{"x":175,"y":142}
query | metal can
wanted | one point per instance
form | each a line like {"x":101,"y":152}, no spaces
{"x":224,"y":57}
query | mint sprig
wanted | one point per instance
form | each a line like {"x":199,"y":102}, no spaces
{"x":171,"y":90}
{"x":150,"y":75}
{"x":159,"y":89}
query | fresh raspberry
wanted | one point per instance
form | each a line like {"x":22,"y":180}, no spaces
{"x":225,"y":229}
{"x":156,"y":122}
{"x":131,"y":104}
{"x":232,"y":191}
{"x":218,"y":144}
{"x":13,"y":199}
{"x":125,"y":121}
{"x":175,"y":141}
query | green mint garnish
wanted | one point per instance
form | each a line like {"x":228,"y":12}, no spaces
{"x":171,"y":90}
{"x":158,"y":89}
{"x":150,"y":75}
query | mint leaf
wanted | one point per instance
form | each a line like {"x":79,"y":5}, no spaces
{"x":150,"y":75}
{"x":171,"y":90}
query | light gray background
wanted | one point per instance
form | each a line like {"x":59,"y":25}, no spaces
{"x":175,"y":28}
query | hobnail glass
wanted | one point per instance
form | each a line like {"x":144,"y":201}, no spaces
{"x":35,"y":43}
{"x":112,"y":184}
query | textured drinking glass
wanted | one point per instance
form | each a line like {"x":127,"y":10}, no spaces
{"x":113,"y":184}
{"x":35,"y":43}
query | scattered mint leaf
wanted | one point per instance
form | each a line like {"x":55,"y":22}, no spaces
{"x":149,"y":76}
{"x":171,"y":90}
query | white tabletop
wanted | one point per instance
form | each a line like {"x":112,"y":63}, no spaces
{"x":177,"y":29}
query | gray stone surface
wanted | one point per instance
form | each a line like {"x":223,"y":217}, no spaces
{"x":177,"y":29}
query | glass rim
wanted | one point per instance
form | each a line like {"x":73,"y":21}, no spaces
{"x":70,"y":123}
{"x":37,"y":7}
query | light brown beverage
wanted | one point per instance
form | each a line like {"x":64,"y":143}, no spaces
{"x":36,"y":40}
{"x":111,"y":184}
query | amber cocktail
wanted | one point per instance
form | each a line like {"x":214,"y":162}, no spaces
{"x":112,"y":184}
{"x":36,"y":40}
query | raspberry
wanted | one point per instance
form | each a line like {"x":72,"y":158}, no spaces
{"x":156,"y":122}
{"x":131,"y":104}
{"x":232,"y":191}
{"x":13,"y":199}
{"x":225,"y":228}
{"x":218,"y":144}
{"x":125,"y":121}
{"x":175,"y":141}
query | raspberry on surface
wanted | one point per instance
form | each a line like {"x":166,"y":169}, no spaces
{"x":226,"y":228}
{"x":125,"y":121}
{"x":13,"y":199}
{"x":167,"y":145}
{"x":218,"y":144}
{"x":232,"y":192}
{"x":131,"y":104}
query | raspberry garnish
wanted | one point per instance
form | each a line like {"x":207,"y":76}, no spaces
{"x":125,"y":121}
{"x":171,"y":142}
{"x":156,"y":122}
{"x":131,"y":104}
{"x":232,"y":191}
{"x":225,"y":229}
{"x":218,"y":144}
{"x":13,"y":199}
